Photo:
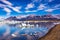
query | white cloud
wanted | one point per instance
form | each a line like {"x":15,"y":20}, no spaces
{"x":18,"y":7}
{"x":15,"y":9}
{"x":8,"y":11}
{"x":10,"y":5}
{"x":56,"y":6}
{"x":41,"y":7}
{"x":29,"y":6}
{"x":49,"y":10}
{"x":50,"y":0}
{"x":22,"y":16}
{"x":36,"y":1}
{"x":30,"y":11}
{"x":6,"y":2}
{"x":2,"y":5}
{"x":6,"y":8}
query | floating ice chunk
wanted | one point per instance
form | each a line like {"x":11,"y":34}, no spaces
{"x":14,"y":35}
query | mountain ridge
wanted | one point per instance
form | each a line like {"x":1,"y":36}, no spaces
{"x":33,"y":17}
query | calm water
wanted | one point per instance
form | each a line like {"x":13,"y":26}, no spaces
{"x":14,"y":32}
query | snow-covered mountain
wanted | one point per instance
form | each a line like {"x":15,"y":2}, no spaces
{"x":34,"y":17}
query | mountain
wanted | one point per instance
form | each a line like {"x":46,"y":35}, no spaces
{"x":33,"y":17}
{"x":49,"y":17}
{"x":57,"y":16}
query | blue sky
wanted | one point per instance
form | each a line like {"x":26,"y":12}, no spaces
{"x":25,"y":7}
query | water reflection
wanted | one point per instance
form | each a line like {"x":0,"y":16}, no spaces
{"x":24,"y":31}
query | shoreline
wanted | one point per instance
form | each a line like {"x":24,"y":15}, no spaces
{"x":53,"y":34}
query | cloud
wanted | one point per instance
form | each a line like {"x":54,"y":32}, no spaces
{"x":8,"y":11}
{"x":36,"y":1}
{"x":50,"y":0}
{"x":6,"y":2}
{"x":56,"y":6}
{"x":18,"y":7}
{"x":22,"y":16}
{"x":2,"y":5}
{"x":30,"y":11}
{"x":49,"y":10}
{"x":6,"y":8}
{"x":10,"y":5}
{"x":15,"y":9}
{"x":31,"y":5}
{"x":41,"y":7}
